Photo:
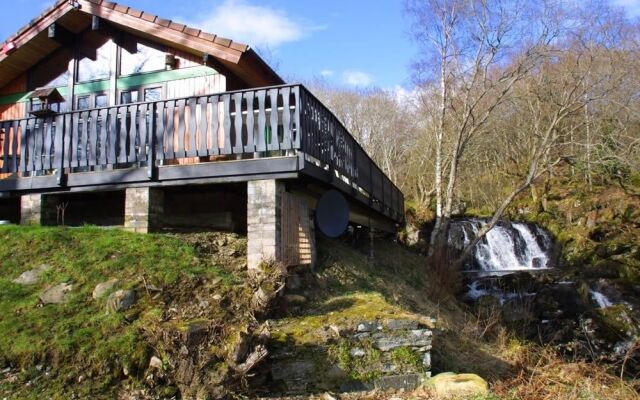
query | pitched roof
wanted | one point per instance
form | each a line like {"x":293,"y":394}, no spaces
{"x":32,"y":44}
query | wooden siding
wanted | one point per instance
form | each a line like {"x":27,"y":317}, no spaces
{"x":13,"y":111}
{"x":297,"y":240}
{"x":196,"y":86}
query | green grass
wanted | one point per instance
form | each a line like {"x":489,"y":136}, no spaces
{"x":79,"y":337}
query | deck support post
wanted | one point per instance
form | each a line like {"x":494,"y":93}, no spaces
{"x":264,"y":201}
{"x":31,"y":209}
{"x":144,"y":207}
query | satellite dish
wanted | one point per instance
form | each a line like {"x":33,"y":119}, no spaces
{"x":332,"y":214}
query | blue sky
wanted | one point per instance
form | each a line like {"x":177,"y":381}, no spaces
{"x":347,"y":42}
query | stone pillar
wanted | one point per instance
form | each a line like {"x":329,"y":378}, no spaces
{"x":263,"y":222}
{"x":31,"y":209}
{"x":143,"y":209}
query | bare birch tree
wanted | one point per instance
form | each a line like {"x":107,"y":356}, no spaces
{"x":481,"y":49}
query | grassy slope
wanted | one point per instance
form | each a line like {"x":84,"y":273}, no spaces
{"x":79,"y":338}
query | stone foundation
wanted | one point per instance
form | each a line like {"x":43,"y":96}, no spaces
{"x":143,"y":209}
{"x":264,"y":200}
{"x":31,"y":209}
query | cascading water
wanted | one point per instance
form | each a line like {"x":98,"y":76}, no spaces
{"x":509,"y":246}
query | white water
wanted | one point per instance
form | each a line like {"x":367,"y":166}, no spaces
{"x":602,"y":300}
{"x":474,"y":292}
{"x":508,"y":246}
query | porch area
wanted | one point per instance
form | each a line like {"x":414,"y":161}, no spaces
{"x":280,"y":132}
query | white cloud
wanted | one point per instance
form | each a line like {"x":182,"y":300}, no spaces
{"x":631,"y":6}
{"x":326,"y":73}
{"x":251,"y":24}
{"x":405,"y":96}
{"x":357,"y":78}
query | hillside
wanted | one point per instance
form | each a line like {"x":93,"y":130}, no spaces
{"x":193,"y":307}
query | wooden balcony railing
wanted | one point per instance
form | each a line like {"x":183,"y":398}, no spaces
{"x":249,"y":123}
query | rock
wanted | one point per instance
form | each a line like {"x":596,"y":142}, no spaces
{"x":368,"y":326}
{"x":356,"y":386}
{"x":401,"y":324}
{"x":155,"y":363}
{"x":56,"y":294}
{"x":358,"y":352}
{"x":121,"y":300}
{"x":449,"y":385}
{"x":335,"y":373}
{"x":292,"y":370}
{"x":426,"y":360}
{"x":414,"y":338}
{"x":31,"y":277}
{"x":398,"y":382}
{"x":103,"y":288}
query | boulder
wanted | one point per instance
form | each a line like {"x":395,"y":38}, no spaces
{"x":103,"y":288}
{"x":57,"y":294}
{"x":32,"y":276}
{"x":120,"y":300}
{"x":448,"y":385}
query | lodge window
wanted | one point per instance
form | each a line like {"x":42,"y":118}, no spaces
{"x":95,"y":100}
{"x":96,"y":65}
{"x":140,"y":94}
{"x":147,"y":58}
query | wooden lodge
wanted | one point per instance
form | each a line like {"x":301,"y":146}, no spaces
{"x":113,"y":116}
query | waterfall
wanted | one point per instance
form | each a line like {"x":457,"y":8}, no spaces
{"x":600,"y":298}
{"x":509,"y":246}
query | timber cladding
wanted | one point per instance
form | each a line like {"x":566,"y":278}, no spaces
{"x":298,"y":243}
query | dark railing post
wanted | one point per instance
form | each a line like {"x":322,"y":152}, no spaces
{"x":59,"y":149}
{"x":151,"y":154}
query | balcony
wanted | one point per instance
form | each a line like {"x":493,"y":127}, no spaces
{"x":281,"y":131}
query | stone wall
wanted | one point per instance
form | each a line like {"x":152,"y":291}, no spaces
{"x":144,"y":208}
{"x":387,"y":355}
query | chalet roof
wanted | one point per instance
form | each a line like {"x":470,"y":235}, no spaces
{"x":31,"y":43}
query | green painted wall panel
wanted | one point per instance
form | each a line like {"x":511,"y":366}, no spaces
{"x":126,"y":82}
